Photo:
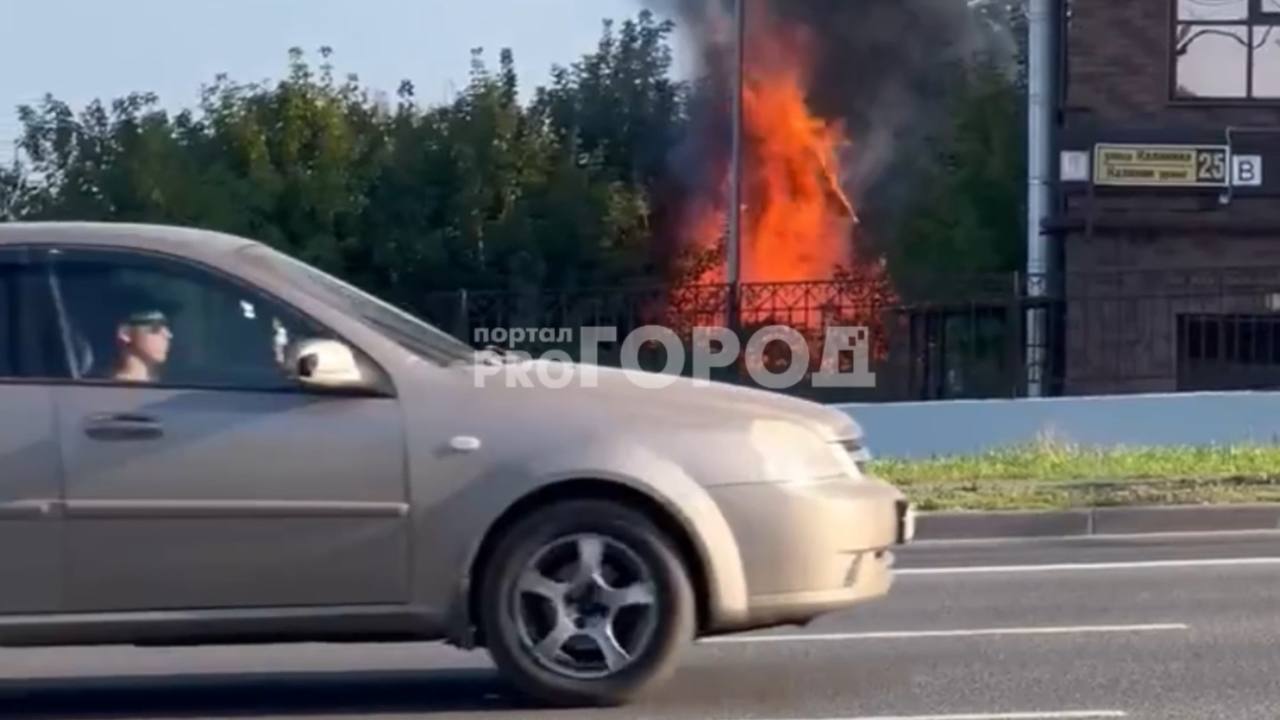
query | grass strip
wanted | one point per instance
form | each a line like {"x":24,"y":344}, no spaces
{"x":1052,"y":475}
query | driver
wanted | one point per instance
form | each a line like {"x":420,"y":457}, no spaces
{"x":142,"y":339}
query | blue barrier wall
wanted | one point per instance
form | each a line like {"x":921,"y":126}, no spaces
{"x":915,"y":430}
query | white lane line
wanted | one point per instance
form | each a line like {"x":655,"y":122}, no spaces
{"x":980,"y":632}
{"x":1132,"y":538}
{"x":1071,"y":567}
{"x":1063,"y":715}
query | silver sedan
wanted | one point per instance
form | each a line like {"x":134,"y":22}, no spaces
{"x":205,"y":440}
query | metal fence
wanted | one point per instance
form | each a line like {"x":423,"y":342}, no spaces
{"x":994,"y":336}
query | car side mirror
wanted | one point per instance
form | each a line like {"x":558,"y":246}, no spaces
{"x":326,"y":364}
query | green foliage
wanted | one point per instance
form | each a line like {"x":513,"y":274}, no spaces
{"x":968,"y":214}
{"x":12,"y":188}
{"x":482,"y":192}
{"x":618,"y":108}
{"x":965,"y":217}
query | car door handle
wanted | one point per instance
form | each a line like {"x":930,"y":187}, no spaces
{"x":122,"y":426}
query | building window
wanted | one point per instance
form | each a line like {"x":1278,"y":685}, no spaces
{"x":1231,"y":339}
{"x":1228,"y":352}
{"x":1227,"y":50}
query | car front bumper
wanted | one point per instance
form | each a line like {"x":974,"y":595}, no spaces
{"x":812,"y":548}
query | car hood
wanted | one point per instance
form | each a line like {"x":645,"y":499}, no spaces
{"x":682,"y":397}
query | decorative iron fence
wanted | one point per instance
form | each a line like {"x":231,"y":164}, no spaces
{"x":994,"y":336}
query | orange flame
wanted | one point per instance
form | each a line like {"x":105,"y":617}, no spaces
{"x":797,"y":222}
{"x":798,"y":225}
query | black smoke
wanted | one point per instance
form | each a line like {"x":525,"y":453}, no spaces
{"x":883,"y":67}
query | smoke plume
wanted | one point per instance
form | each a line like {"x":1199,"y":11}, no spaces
{"x":880,"y":67}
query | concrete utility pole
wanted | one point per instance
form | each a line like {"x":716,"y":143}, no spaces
{"x":1041,"y":16}
{"x":735,"y":173}
{"x":733,"y":269}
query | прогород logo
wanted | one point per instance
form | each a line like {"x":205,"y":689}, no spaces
{"x":712,"y":348}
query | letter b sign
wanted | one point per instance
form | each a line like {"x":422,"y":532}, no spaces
{"x":1246,"y":170}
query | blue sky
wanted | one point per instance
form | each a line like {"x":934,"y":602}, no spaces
{"x":85,"y":49}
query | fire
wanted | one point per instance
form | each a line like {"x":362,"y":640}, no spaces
{"x":800,"y":263}
{"x":797,"y":222}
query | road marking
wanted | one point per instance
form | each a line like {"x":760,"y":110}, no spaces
{"x":1064,"y":715}
{"x":1135,"y":538}
{"x":914,"y":634}
{"x":1061,"y":567}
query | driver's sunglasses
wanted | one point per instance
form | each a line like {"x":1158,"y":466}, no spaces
{"x":152,"y":326}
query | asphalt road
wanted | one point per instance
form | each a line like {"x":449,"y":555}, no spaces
{"x":1168,"y":628}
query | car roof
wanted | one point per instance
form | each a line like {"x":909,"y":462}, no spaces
{"x":185,"y":241}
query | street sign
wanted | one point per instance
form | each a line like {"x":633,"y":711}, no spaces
{"x":1074,"y":166}
{"x":1246,"y":170}
{"x":1161,"y":165}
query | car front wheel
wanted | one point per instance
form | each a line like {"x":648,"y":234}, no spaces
{"x":586,"y":603}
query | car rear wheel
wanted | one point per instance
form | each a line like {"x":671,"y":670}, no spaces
{"x":586,"y":603}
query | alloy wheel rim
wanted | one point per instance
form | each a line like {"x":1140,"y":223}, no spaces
{"x":586,"y":606}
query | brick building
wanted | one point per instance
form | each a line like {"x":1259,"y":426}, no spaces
{"x":1166,"y":220}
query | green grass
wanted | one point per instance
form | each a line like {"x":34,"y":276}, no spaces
{"x":1051,"y":475}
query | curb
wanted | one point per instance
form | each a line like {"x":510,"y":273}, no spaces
{"x":1096,"y":521}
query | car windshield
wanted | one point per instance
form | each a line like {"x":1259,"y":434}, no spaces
{"x":413,"y":334}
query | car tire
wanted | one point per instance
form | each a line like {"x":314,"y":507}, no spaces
{"x":550,"y":544}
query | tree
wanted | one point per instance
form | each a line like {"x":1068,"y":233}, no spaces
{"x":966,"y":216}
{"x":483,"y":192}
{"x":11,"y":190}
{"x":619,"y":105}
{"x":964,"y":219}
{"x":618,"y":113}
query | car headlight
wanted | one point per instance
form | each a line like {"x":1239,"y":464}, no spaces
{"x":857,"y":453}
{"x":791,"y":452}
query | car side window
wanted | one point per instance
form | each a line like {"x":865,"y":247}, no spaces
{"x":9,"y":271}
{"x":31,"y":347}
{"x":139,"y":318}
